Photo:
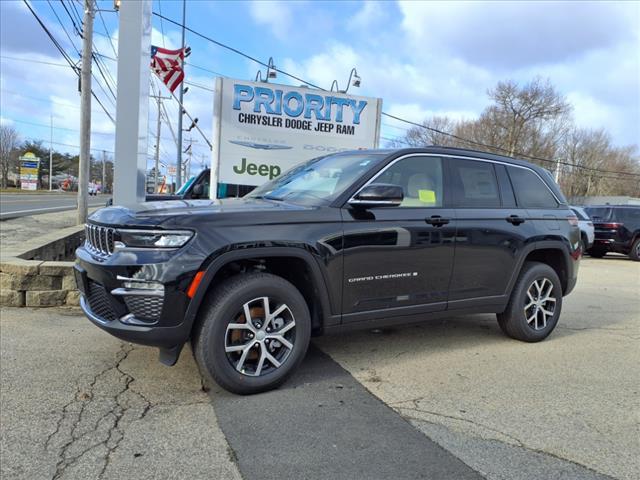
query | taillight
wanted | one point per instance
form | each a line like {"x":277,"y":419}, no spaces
{"x":611,"y":225}
{"x":573,"y":220}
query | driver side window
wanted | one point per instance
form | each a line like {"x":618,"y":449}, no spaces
{"x":420,"y":179}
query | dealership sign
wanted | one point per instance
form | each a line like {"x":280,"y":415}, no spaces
{"x":263,"y":129}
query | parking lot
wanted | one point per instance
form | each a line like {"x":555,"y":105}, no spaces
{"x":453,"y":398}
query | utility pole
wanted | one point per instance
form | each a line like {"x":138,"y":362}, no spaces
{"x":85,"y":112}
{"x":189,"y":151}
{"x":159,"y":99}
{"x":104,"y":171}
{"x":557,"y":174}
{"x":51,"y":154}
{"x":179,"y":159}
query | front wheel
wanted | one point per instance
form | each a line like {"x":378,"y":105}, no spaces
{"x":535,"y":304}
{"x":253,"y":333}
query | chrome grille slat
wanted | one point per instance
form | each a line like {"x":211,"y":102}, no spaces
{"x":99,"y":240}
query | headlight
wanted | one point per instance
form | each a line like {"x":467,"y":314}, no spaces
{"x":152,"y":238}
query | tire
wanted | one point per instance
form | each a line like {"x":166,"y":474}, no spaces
{"x":248,"y":369}
{"x":513,"y":321}
{"x":597,"y":253}
{"x":634,"y":254}
{"x":583,"y":243}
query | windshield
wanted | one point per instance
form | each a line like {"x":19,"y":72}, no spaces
{"x":320,"y":180}
{"x":186,"y":186}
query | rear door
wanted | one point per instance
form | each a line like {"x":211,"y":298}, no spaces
{"x":492,"y":232}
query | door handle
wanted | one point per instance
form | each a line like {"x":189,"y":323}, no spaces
{"x":436,"y":220}
{"x":515,"y":219}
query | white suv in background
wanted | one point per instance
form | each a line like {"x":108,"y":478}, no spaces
{"x":586,"y":228}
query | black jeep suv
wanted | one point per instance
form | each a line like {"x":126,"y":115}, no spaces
{"x":617,"y":229}
{"x":350,"y":240}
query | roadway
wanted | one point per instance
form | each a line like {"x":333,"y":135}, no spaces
{"x":14,"y":205}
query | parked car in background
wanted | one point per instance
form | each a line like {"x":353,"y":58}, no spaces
{"x":617,"y":229}
{"x":587,"y":231}
{"x":93,"y":189}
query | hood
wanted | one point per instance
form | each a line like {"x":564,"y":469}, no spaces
{"x":184,"y":212}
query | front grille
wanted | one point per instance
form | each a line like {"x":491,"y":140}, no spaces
{"x":99,"y":301}
{"x":99,"y":239}
{"x":144,"y":307}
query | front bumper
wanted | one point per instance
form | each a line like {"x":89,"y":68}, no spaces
{"x":147,"y":317}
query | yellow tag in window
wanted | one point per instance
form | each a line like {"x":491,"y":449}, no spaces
{"x":427,"y":196}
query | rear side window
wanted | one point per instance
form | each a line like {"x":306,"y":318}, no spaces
{"x":628,"y":216}
{"x":531,"y":191}
{"x":598,"y":214}
{"x":474,"y":184}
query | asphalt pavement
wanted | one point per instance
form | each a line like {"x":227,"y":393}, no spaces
{"x":445,"y":400}
{"x":15,"y":205}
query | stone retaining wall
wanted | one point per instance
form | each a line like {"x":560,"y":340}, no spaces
{"x":28,"y":278}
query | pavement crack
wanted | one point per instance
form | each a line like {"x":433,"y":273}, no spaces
{"x":117,"y":409}
{"x":515,"y":440}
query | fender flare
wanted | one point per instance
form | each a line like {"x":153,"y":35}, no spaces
{"x":259,"y":252}
{"x":539,"y":245}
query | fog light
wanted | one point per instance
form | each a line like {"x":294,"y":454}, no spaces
{"x":142,"y":285}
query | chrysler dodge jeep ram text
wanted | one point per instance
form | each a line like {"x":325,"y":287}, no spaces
{"x":349,"y":240}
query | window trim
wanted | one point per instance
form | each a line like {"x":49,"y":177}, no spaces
{"x":446,"y":180}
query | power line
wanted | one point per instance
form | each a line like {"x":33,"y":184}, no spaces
{"x":63,"y":27}
{"x":64,"y":54}
{"x":472,"y":142}
{"x":75,"y":27}
{"x":62,"y":128}
{"x":48,"y":100}
{"x":517,"y":154}
{"x":197,"y":85}
{"x":34,"y":61}
{"x":161,"y":23}
{"x":106,"y":30}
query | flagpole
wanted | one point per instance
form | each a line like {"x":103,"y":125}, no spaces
{"x":179,"y":157}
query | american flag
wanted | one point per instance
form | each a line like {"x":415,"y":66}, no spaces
{"x":167,"y":65}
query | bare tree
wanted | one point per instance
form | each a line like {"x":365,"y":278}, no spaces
{"x":428,"y":134}
{"x":9,"y":139}
{"x":521,"y":114}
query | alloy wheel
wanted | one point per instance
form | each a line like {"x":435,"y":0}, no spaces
{"x":261,"y":337}
{"x":540,"y":304}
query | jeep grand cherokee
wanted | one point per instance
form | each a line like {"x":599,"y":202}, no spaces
{"x":350,"y":240}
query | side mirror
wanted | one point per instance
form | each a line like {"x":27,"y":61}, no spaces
{"x":378,"y":195}
{"x":197,"y":191}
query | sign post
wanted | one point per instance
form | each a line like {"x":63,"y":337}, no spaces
{"x":261,"y":130}
{"x":29,"y":166}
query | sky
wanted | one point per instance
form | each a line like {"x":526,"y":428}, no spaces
{"x":421,"y":58}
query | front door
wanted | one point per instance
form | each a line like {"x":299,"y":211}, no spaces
{"x":398,"y":260}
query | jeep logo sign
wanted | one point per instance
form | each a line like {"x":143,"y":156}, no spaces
{"x":264,"y":129}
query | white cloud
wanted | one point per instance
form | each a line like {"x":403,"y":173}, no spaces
{"x":274,"y":14}
{"x":513,"y":34}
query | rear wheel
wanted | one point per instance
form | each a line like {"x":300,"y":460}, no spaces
{"x":254,"y":332}
{"x":535,"y":304}
{"x":634,"y":254}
